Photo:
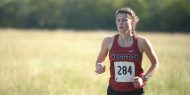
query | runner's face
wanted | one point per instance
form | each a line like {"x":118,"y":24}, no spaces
{"x":123,"y":22}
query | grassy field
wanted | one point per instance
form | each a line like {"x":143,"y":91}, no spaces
{"x":42,"y":62}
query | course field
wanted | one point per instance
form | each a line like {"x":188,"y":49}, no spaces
{"x":62,"y":62}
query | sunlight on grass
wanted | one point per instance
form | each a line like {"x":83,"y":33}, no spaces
{"x":62,"y":62}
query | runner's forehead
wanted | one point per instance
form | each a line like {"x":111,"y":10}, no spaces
{"x":123,"y":15}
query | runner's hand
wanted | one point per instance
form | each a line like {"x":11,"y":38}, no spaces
{"x":100,"y":68}
{"x":138,"y":82}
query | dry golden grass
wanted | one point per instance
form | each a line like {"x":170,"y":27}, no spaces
{"x":61,"y":62}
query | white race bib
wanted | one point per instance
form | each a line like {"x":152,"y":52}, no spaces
{"x":124,"y":71}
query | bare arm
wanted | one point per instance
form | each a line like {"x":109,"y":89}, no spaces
{"x":102,"y":55}
{"x":149,"y":51}
{"x":145,"y":46}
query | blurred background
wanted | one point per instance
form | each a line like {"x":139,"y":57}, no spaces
{"x":49,"y":47}
{"x":155,"y":15}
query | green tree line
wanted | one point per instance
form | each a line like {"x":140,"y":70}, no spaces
{"x":164,"y":15}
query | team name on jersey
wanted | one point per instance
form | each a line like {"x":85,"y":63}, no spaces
{"x":124,"y":56}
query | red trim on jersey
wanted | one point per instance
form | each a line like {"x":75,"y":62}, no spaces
{"x":116,"y":49}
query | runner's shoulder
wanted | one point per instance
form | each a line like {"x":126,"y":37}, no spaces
{"x":143,"y":42}
{"x":108,"y":39}
{"x":142,"y":39}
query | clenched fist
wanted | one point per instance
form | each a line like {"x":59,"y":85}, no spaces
{"x":138,"y":82}
{"x":100,"y":68}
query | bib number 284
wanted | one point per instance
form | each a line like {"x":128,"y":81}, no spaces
{"x":124,"y":71}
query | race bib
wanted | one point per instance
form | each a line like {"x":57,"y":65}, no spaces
{"x":124,"y":71}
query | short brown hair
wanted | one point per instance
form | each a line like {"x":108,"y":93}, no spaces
{"x":131,"y":13}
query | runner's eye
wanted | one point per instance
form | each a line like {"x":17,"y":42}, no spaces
{"x":124,"y":19}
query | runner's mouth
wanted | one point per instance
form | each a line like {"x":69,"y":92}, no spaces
{"x":120,"y":27}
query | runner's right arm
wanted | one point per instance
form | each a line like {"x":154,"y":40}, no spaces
{"x":100,"y":68}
